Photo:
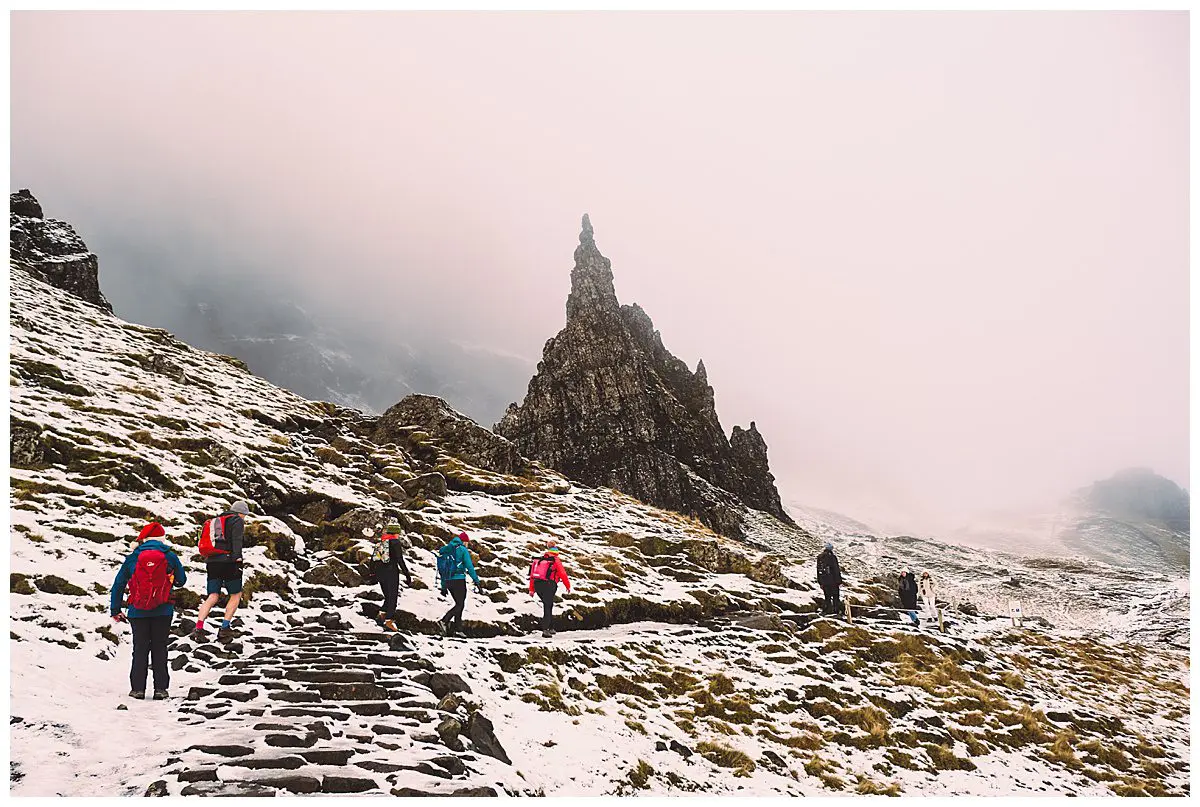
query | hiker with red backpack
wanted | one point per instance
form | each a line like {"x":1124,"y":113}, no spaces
{"x":221,"y":545}
{"x":545,"y":573}
{"x":150,"y":572}
{"x":386,"y":566}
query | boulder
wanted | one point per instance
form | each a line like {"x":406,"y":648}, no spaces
{"x":448,"y":731}
{"x":443,"y":684}
{"x":426,"y":486}
{"x":157,"y":788}
{"x":332,"y":572}
{"x":483,"y":738}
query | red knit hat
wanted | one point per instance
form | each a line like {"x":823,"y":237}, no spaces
{"x":462,"y":536}
{"x":151,"y":530}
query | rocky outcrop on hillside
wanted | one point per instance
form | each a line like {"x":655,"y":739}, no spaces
{"x":610,"y":405}
{"x":455,"y":431}
{"x":51,"y":250}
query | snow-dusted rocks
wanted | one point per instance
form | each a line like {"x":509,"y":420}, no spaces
{"x":52,"y":250}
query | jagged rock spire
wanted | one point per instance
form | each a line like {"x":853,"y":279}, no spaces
{"x":592,"y":291}
{"x":611,"y":406}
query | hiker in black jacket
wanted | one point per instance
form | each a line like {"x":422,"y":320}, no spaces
{"x":908,"y":595}
{"x":829,"y":577}
{"x":387,"y":564}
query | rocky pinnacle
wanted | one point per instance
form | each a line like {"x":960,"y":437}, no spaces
{"x":611,"y":406}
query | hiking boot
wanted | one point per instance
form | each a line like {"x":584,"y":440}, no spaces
{"x":443,"y":627}
{"x":133,"y":693}
{"x":389,"y":625}
{"x":546,"y":634}
{"x":225,"y":634}
{"x":160,"y":695}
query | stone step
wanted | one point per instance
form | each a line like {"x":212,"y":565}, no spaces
{"x":331,"y":676}
{"x":329,"y":756}
{"x":351,"y":692}
{"x":302,"y":712}
{"x":290,"y":763}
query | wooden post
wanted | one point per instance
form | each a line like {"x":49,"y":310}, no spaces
{"x":941,"y":622}
{"x":849,"y":613}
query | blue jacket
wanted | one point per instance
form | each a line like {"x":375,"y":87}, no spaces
{"x":464,"y":559}
{"x":117,"y":595}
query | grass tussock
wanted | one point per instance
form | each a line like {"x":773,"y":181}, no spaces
{"x":724,"y":756}
{"x":944,"y":759}
{"x":866,"y":787}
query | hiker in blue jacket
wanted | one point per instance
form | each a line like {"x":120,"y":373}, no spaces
{"x":149,"y":572}
{"x":454,"y":564}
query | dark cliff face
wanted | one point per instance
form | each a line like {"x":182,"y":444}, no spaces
{"x":52,"y":251}
{"x":611,"y":406}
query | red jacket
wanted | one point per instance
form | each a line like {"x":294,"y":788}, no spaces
{"x":557,"y":574}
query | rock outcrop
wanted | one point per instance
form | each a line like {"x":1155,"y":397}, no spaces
{"x":52,"y":251}
{"x":611,"y":406}
{"x":453,"y":430}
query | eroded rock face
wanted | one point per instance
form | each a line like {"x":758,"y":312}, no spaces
{"x":453,"y":430}
{"x":611,"y":406}
{"x":52,"y":251}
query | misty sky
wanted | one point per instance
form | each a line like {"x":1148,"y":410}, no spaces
{"x":941,"y":259}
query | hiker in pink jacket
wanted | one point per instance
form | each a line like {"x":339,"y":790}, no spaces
{"x":545,"y":573}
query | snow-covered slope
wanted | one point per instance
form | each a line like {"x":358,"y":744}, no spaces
{"x":684,"y":663}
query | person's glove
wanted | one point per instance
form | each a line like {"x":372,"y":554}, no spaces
{"x":478,"y":587}
{"x":408,"y":582}
{"x":120,"y":618}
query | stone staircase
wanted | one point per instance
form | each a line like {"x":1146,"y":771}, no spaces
{"x":320,"y":708}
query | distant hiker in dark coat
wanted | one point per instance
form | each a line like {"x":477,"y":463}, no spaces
{"x":225,"y":569}
{"x":150,"y":572}
{"x":454,"y":564}
{"x":908,"y":595}
{"x":545,"y":573}
{"x":387,"y":564}
{"x":829,"y":577}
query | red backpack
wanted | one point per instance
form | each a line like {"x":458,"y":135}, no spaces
{"x":211,"y":535}
{"x":150,"y":585}
{"x":542,"y":568}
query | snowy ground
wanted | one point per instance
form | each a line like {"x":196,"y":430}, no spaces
{"x":685,"y":662}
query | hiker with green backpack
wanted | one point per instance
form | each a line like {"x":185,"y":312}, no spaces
{"x":453,"y":565}
{"x":386,"y":565}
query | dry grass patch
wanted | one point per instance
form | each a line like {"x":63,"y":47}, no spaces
{"x":725,"y":757}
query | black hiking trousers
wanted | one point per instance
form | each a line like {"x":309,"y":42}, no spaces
{"x":150,"y":645}
{"x":546,"y":590}
{"x":453,"y":617}
{"x":389,"y":582}
{"x":832,"y":599}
